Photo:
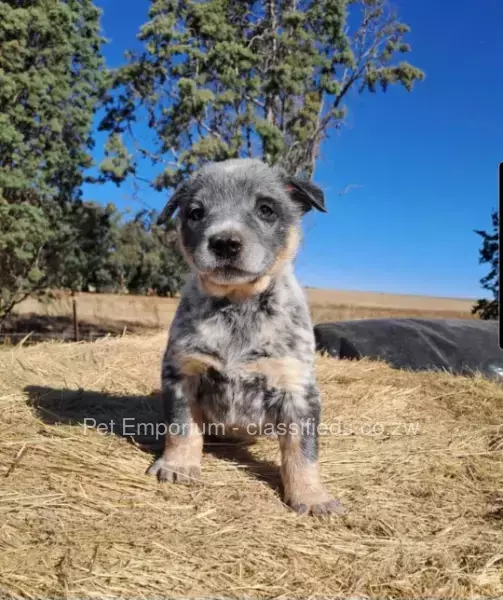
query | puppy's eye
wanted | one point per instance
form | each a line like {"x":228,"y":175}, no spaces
{"x":266,"y":212}
{"x":196,"y":213}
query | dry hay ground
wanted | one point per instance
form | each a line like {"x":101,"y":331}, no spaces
{"x":78,"y":517}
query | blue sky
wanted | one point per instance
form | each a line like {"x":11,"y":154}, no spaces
{"x":424,"y":165}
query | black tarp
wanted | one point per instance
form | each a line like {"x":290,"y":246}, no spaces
{"x":460,"y":346}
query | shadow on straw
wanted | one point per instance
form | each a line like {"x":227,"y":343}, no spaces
{"x":139,"y":419}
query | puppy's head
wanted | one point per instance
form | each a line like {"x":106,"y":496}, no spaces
{"x":238,"y":220}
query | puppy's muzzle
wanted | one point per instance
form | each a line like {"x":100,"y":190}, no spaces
{"x":226,"y":245}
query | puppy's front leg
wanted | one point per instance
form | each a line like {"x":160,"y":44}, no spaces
{"x":303,"y":489}
{"x":183,"y":442}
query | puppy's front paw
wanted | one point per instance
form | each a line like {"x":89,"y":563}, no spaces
{"x":315,"y":502}
{"x":319,"y":509}
{"x":174,"y":471}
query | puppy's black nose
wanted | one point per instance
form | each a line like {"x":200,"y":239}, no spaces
{"x":226,"y":245}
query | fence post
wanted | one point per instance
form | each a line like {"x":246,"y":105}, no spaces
{"x":75,"y":319}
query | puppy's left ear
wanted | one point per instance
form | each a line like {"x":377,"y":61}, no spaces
{"x":173,"y":203}
{"x":306,"y":193}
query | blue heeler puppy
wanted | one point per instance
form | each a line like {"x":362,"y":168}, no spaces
{"x":241,"y":346}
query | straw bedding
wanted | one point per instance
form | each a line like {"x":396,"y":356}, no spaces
{"x":416,"y":458}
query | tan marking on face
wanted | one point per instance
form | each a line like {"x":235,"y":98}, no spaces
{"x":301,"y":478}
{"x":196,"y":364}
{"x":287,"y":253}
{"x":287,"y":373}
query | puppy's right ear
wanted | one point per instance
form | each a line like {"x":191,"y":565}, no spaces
{"x":172,"y":204}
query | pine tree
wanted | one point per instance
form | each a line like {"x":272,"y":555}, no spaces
{"x":489,"y":253}
{"x":51,"y":75}
{"x":236,"y":78}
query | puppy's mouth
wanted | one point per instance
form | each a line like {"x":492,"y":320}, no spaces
{"x":227,"y":274}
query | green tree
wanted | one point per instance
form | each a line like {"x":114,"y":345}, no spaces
{"x":70,"y":246}
{"x":51,"y":75}
{"x":50,"y":78}
{"x":24,"y":231}
{"x":234,"y":78}
{"x":489,"y":253}
{"x":147,"y":256}
{"x":93,"y":234}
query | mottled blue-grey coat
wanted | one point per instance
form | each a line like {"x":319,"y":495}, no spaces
{"x":240,"y":354}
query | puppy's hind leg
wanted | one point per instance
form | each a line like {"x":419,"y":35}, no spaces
{"x":183,"y":443}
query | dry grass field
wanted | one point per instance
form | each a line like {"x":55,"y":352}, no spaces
{"x":141,"y":313}
{"x":416,"y":458}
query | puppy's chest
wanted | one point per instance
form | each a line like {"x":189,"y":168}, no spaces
{"x":237,"y":336}
{"x":248,"y":365}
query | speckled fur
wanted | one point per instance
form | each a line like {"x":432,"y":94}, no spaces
{"x":241,"y":346}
